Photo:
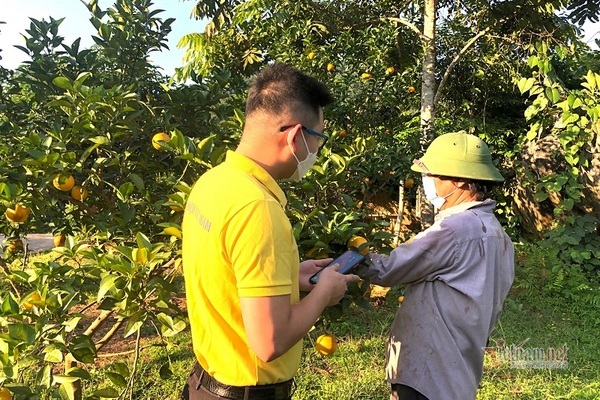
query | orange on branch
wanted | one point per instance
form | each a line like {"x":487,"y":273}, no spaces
{"x":311,"y":55}
{"x":366,"y":76}
{"x":409,"y":183}
{"x":30,"y":300}
{"x":342,"y":133}
{"x":317,"y":253}
{"x":5,"y":394}
{"x":14,"y":246}
{"x":64,"y":183}
{"x":326,"y":344}
{"x":59,"y":240}
{"x":330,"y":67}
{"x":359,"y":244}
{"x":160,"y":136}
{"x":18,"y":214}
{"x":79,"y":193}
{"x":411,"y":89}
{"x":390,"y":70}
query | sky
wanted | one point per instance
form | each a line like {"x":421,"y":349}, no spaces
{"x":16,"y":13}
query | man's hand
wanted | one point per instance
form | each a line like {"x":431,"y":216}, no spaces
{"x":334,"y":284}
{"x":307,"y":269}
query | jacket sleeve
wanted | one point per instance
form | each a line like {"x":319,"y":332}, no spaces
{"x":428,"y":255}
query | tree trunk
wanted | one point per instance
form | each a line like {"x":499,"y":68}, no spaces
{"x":427,"y":99}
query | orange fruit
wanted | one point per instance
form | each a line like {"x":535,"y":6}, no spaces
{"x":330,"y":67}
{"x":411,"y":89}
{"x":390,"y":70}
{"x":342,"y":133}
{"x":28,"y":303}
{"x":311,"y":55}
{"x":366,"y":76}
{"x":409,"y":182}
{"x":14,"y":246}
{"x":160,"y":136}
{"x":79,"y":193}
{"x":401,"y":299}
{"x":358,"y":243}
{"x":326,"y":344}
{"x":63,"y":183}
{"x":18,"y":214}
{"x":59,"y":240}
{"x":317,"y":253}
{"x":5,"y":394}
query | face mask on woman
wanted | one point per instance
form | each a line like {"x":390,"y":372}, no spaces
{"x":431,"y":193}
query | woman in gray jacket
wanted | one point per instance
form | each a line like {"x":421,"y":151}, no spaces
{"x":457,"y":274}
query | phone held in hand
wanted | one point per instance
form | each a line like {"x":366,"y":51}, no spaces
{"x":347,"y":261}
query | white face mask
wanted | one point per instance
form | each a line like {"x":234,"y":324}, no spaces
{"x":305,"y":165}
{"x":431,"y":193}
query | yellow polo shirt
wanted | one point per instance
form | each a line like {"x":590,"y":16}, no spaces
{"x":237,"y":242}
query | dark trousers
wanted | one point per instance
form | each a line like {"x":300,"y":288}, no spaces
{"x":403,"y":392}
{"x":193,"y":390}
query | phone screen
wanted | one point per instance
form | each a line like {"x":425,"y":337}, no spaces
{"x":347,"y":261}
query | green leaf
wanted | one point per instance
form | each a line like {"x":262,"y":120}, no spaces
{"x":63,"y":83}
{"x":525,"y":84}
{"x":54,"y":356}
{"x":125,"y":191}
{"x":540,"y":196}
{"x":591,"y":80}
{"x":107,"y":283}
{"x":108,"y":393}
{"x":99,"y":140}
{"x":66,"y":391}
{"x":65,"y":379}
{"x":143,"y":241}
{"x":138,"y":182}
{"x":117,"y":379}
{"x":568,"y":203}
{"x":165,"y":372}
{"x":22,"y":332}
{"x":553,"y":95}
{"x":134,"y":323}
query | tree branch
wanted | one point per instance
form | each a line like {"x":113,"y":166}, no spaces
{"x":109,"y":334}
{"x":456,"y":59}
{"x":98,"y":322}
{"x":408,"y":24}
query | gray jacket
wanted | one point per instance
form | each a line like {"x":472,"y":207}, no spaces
{"x":458,"y":273}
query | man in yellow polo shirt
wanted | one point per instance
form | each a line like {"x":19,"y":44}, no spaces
{"x":241,"y":265}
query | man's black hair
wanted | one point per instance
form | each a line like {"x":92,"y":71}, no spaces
{"x":280,"y":86}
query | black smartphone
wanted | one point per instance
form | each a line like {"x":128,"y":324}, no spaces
{"x":347,"y":261}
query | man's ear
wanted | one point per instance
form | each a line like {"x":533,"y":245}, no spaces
{"x":291,"y":137}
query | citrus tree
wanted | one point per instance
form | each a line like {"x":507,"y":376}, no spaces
{"x":561,"y":154}
{"x":98,"y":150}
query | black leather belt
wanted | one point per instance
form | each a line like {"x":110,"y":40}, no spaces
{"x":276,"y":391}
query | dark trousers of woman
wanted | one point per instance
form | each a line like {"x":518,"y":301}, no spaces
{"x":403,"y":392}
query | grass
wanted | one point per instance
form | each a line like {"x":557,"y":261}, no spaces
{"x":355,"y":371}
{"x":539,"y":318}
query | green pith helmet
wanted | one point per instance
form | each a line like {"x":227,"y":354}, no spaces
{"x":458,"y":155}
